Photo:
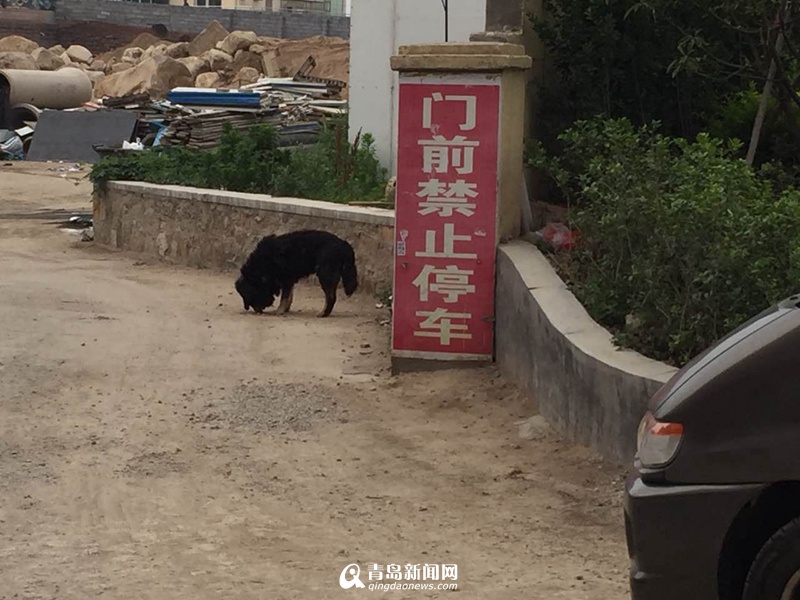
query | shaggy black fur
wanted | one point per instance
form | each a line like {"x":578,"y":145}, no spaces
{"x":279,"y":262}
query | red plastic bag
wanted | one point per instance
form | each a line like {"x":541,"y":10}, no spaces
{"x":557,"y":236}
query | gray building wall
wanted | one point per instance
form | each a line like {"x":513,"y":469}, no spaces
{"x":190,"y":19}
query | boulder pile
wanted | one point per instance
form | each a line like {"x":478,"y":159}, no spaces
{"x":215,"y":58}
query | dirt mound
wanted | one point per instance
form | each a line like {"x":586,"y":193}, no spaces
{"x":331,"y":54}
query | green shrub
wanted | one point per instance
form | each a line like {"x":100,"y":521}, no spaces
{"x":246,"y":161}
{"x":680,"y":242}
{"x":252,"y":161}
{"x":333,"y":169}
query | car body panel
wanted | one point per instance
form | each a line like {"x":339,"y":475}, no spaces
{"x":675,"y":535}
{"x":739,"y":404}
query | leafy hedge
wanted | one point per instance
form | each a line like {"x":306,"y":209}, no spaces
{"x":252,"y":161}
{"x":680,"y":242}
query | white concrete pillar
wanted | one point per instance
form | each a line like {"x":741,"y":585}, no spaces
{"x":377,"y":30}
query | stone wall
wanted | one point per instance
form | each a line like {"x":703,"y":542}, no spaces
{"x":584,"y":386}
{"x":213,"y":229}
{"x":191,"y":19}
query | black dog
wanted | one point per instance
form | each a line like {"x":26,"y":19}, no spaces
{"x":279,"y":262}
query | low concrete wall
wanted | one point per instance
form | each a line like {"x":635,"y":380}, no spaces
{"x":585,"y":387}
{"x":214,"y":229}
{"x":193,"y":19}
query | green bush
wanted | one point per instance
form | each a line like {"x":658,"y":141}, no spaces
{"x":780,"y":135}
{"x":680,"y":242}
{"x":252,"y":161}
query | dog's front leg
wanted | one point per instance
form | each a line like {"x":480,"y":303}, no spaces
{"x":290,"y":299}
{"x":287,"y":295}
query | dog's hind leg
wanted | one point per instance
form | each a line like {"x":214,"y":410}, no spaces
{"x":330,"y":301}
{"x":329,"y":285}
{"x":287,"y":295}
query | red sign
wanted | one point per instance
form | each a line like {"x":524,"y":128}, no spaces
{"x":445,"y":218}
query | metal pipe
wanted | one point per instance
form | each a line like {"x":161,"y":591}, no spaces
{"x":66,"y":88}
{"x":446,"y":21}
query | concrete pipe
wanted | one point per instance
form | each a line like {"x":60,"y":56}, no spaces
{"x":65,"y":88}
{"x":24,"y":113}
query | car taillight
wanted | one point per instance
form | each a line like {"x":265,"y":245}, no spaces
{"x":658,"y":442}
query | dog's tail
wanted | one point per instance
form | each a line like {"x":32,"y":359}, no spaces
{"x":349,"y":272}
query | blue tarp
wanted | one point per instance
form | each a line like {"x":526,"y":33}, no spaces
{"x":211,"y":97}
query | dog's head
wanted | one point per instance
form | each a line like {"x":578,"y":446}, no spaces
{"x":257,"y":295}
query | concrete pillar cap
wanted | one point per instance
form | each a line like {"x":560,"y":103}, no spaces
{"x":461,"y":56}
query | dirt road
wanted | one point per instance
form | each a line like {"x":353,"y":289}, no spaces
{"x":156,"y":442}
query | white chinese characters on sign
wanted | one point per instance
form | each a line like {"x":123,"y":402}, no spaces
{"x":439,"y":154}
{"x":445,"y":198}
{"x":438,"y":323}
{"x":471,"y":103}
{"x":448,"y":244}
{"x":451,"y":282}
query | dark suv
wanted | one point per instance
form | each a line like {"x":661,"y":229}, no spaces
{"x":712,"y":510}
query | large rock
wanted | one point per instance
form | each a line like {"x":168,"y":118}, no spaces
{"x":208,"y":39}
{"x":58,"y":49}
{"x":217,"y":59}
{"x":46,"y":60}
{"x":97,"y":65}
{"x":195,"y":64}
{"x":246,"y":76}
{"x":119,"y":67}
{"x":270,"y":65}
{"x":157,"y":50}
{"x":177,"y":50}
{"x":17,"y":43}
{"x":245,"y":58}
{"x":95,"y":76}
{"x":132,"y":55}
{"x":208,"y":80}
{"x":155,"y":76}
{"x":79,"y":54}
{"x":17,"y":60}
{"x":238,"y":40}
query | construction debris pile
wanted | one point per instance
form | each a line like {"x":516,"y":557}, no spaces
{"x":182,"y":93}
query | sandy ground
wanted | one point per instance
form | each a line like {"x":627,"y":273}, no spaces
{"x":157,"y":442}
